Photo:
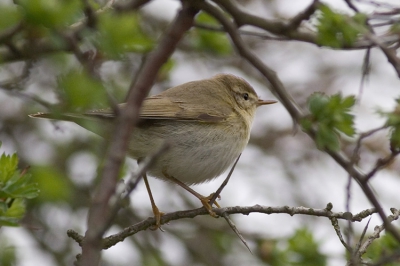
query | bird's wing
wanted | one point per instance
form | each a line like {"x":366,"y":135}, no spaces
{"x":161,"y":107}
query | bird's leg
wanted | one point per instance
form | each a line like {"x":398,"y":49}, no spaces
{"x":156,"y":211}
{"x":204,"y":200}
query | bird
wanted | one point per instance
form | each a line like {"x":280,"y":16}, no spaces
{"x":205,"y":122}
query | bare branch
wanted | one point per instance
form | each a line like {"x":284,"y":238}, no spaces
{"x":245,"y":210}
{"x":377,"y":231}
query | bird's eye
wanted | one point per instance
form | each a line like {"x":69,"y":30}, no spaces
{"x":245,"y":96}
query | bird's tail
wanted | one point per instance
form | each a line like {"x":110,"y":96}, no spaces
{"x":91,"y":123}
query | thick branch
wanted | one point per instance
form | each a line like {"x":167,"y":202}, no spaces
{"x":100,"y":208}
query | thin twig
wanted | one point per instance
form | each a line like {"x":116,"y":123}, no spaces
{"x":336,"y":226}
{"x":354,"y":259}
{"x":236,"y":230}
{"x":305,"y":15}
{"x":381,"y":163}
{"x":225,"y":215}
{"x":366,"y":67}
{"x":218,"y":192}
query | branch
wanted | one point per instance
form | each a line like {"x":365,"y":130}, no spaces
{"x":377,"y":231}
{"x":245,"y":210}
{"x":276,"y":27}
{"x":99,"y":210}
{"x":305,"y":15}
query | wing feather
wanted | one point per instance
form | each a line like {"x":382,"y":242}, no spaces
{"x":195,"y":102}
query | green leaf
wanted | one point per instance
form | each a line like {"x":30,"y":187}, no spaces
{"x":349,"y":101}
{"x":326,"y":138}
{"x":8,"y":165}
{"x":337,"y":30}
{"x":15,"y":187}
{"x":19,"y":187}
{"x":317,"y":103}
{"x":12,"y":183}
{"x":13,"y":213}
{"x":329,"y":116}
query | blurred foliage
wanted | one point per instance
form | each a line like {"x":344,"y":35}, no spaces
{"x":9,"y":16}
{"x":52,"y":183}
{"x":337,"y":30}
{"x":393,"y":121}
{"x":301,"y":249}
{"x":210,"y":41}
{"x":8,"y":255}
{"x":330,"y":115}
{"x":15,"y":188}
{"x":120,"y":34}
{"x":51,"y":14}
{"x":395,"y":28}
{"x":81,"y":91}
{"x":382,"y":247}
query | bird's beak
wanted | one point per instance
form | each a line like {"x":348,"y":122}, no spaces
{"x":265,"y":102}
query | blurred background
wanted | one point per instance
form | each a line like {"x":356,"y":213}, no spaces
{"x":281,"y":165}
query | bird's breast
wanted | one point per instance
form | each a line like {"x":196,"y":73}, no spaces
{"x":199,"y":152}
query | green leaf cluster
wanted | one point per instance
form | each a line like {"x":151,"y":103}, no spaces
{"x":122,"y":33}
{"x":337,"y":30}
{"x":15,"y":187}
{"x":210,"y":41}
{"x":301,"y":249}
{"x":393,"y":121}
{"x":329,"y":116}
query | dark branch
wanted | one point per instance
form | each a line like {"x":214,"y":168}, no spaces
{"x":100,"y":209}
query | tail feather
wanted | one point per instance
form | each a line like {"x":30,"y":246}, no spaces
{"x":42,"y":115}
{"x":63,"y":117}
{"x":73,"y":117}
{"x":92,"y":123}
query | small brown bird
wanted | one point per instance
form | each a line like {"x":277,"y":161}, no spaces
{"x":207,"y":124}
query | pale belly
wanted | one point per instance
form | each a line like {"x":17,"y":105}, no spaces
{"x":197,"y":153}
